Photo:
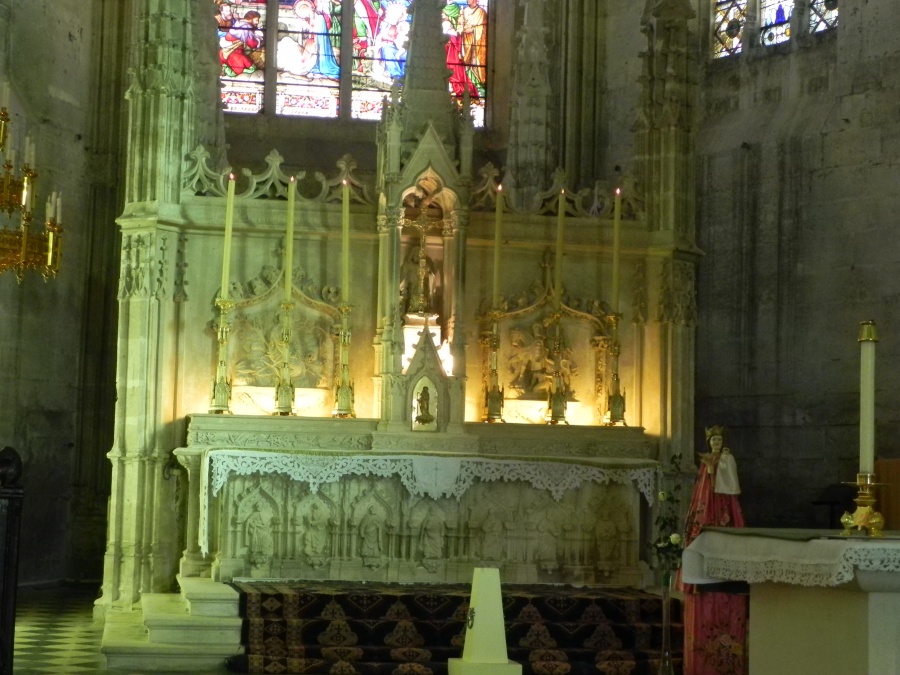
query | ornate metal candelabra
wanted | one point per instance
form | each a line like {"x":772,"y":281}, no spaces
{"x":221,"y":393}
{"x":284,"y":389}
{"x":343,"y":391}
{"x":20,"y":248}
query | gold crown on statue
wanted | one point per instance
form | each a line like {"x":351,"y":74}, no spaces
{"x":716,"y":430}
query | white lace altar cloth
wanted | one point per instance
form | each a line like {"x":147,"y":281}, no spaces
{"x":432,"y":475}
{"x":801,"y":558}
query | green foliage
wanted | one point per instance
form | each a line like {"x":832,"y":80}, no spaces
{"x":669,"y":543}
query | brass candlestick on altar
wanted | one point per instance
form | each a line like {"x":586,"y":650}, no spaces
{"x":221,"y":394}
{"x":865,"y":517}
{"x":344,"y":394}
{"x":493,"y":392}
{"x":557,"y":396}
{"x":284,"y":389}
{"x":616,"y":399}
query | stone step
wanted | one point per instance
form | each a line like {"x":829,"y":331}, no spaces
{"x":206,"y":597}
{"x":127,"y":647}
{"x":169,"y":620}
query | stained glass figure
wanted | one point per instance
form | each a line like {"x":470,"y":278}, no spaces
{"x":823,"y":14}
{"x":308,"y":58}
{"x":728,"y":27}
{"x":465,"y":23}
{"x":242,"y":54}
{"x":380,"y":43}
{"x":775,"y":21}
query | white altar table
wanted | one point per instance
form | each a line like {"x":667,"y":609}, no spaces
{"x":820,"y":604}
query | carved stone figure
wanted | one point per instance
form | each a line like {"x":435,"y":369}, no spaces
{"x":258,"y":536}
{"x":370,"y":529}
{"x":417,"y":281}
{"x":606,"y":533}
{"x":315,"y":538}
{"x":431,"y":540}
{"x":492,"y":542}
{"x":423,"y":407}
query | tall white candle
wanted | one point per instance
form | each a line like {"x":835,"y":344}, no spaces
{"x":560,"y":229}
{"x":498,"y":229}
{"x":289,"y":242}
{"x":4,"y":94}
{"x":58,"y":208}
{"x":617,"y":234}
{"x":345,"y":242}
{"x":51,"y":206}
{"x":229,"y":224}
{"x":867,"y":339}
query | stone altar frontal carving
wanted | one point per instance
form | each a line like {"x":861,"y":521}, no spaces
{"x":310,"y":507}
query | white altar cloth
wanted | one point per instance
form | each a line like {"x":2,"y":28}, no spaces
{"x":433,"y":475}
{"x":820,"y":604}
{"x":798,"y":557}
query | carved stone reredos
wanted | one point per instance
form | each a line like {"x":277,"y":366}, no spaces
{"x":258,"y":346}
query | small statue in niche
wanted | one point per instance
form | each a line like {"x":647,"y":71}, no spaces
{"x":258,"y":534}
{"x":417,"y":282}
{"x":370,"y":528}
{"x":431,"y":540}
{"x":423,"y":407}
{"x":492,"y":542}
{"x":315,"y":538}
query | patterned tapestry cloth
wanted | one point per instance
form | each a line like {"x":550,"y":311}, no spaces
{"x":342,"y":628}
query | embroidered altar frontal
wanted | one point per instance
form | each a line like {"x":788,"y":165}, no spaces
{"x":374,"y":629}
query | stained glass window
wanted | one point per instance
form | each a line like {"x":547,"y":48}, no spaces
{"x":242,"y":54}
{"x":728,"y":27}
{"x":823,"y":14}
{"x":465,"y":23}
{"x":308,"y":58}
{"x":775,"y":21}
{"x":306,"y":55}
{"x":380,"y":43}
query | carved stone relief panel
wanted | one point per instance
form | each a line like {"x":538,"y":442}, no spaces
{"x":367,"y":528}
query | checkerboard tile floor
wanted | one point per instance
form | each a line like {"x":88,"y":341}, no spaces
{"x":56,"y":633}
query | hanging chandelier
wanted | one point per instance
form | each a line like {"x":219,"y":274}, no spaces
{"x":21,"y":247}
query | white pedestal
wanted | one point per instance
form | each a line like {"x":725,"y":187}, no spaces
{"x":823,"y":631}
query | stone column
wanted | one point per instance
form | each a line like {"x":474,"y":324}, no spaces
{"x":143,"y":539}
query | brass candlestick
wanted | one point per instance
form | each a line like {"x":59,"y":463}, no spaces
{"x":616,"y":399}
{"x":557,"y":402}
{"x":344,"y":394}
{"x":221,"y":394}
{"x":865,"y":517}
{"x":284,"y":389}
{"x":493,"y":392}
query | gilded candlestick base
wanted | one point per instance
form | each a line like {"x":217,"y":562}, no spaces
{"x":865,"y":517}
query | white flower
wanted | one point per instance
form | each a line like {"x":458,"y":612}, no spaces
{"x":663,"y":496}
{"x":675,"y":538}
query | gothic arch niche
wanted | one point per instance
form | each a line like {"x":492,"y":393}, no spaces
{"x":258,"y":347}
{"x":427,"y":264}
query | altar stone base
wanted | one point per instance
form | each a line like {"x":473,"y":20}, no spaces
{"x":825,"y":631}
